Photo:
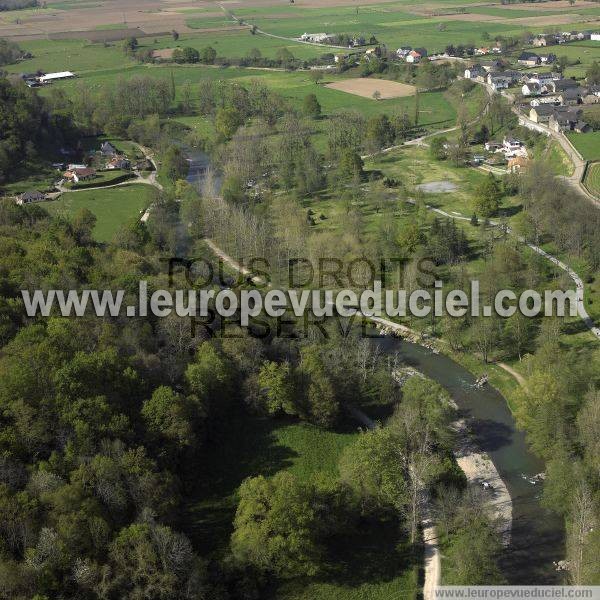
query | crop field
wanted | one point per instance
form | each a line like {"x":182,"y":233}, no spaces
{"x":113,"y":207}
{"x":368,"y":88}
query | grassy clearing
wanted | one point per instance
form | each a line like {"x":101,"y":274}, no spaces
{"x":588,"y":144}
{"x":113,"y":207}
{"x":369,"y":563}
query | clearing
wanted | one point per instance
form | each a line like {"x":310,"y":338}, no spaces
{"x":367,"y":88}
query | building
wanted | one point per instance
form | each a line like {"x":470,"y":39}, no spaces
{"x":581,"y":127}
{"x":77,"y":175}
{"x":595,"y":37}
{"x":517,"y":163}
{"x":531,"y":88}
{"x":565,"y":118}
{"x":403,"y":52}
{"x":539,"y":41}
{"x":541,"y":114}
{"x":512,"y":147}
{"x":50,"y":77}
{"x":118,"y":162}
{"x":475,"y":72}
{"x":570,"y":96}
{"x":315,"y":38}
{"x":563,"y":84}
{"x":107,"y":149}
{"x":413,"y":57}
{"x":491,"y":65}
{"x":529,"y":59}
{"x":29,"y":197}
{"x":499,"y":82}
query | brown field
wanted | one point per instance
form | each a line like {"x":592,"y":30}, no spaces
{"x":366,"y":87}
{"x":555,"y":5}
{"x":542,"y":21}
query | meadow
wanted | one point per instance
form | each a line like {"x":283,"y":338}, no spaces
{"x":113,"y":207}
{"x":588,"y":144}
{"x":592,"y":178}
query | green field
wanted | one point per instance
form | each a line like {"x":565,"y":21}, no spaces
{"x":113,"y":207}
{"x":588,"y":144}
{"x":592,"y":178}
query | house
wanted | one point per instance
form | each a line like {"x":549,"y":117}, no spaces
{"x":499,"y":82}
{"x":531,"y":88}
{"x":545,"y":101}
{"x":403,"y":52}
{"x":541,"y":114}
{"x":548,"y":59}
{"x":118,"y":162}
{"x":482,"y":51}
{"x":514,"y":75}
{"x":496,"y":50}
{"x":475,"y":72}
{"x":491,"y":65}
{"x":595,"y":37}
{"x":542,"y":78}
{"x":29,"y":197}
{"x":493,"y":146}
{"x":512,"y":147}
{"x":50,"y":77}
{"x":565,"y":119}
{"x":539,"y":41}
{"x":107,"y":149}
{"x":422,"y":52}
{"x":413,"y":57}
{"x":77,"y":175}
{"x":570,"y":96}
{"x":529,"y":59}
{"x":590,"y":98}
{"x":581,"y":127}
{"x":517,"y":163}
{"x":563,"y":84}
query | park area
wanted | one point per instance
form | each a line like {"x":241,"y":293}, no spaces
{"x":380,"y":89}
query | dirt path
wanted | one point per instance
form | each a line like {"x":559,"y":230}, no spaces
{"x":518,"y":377}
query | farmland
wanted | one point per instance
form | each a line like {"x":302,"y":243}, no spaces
{"x":592,"y":178}
{"x":588,"y":144}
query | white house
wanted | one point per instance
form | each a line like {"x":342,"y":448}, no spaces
{"x":595,"y":37}
{"x":498,"y":82}
{"x":531,"y":88}
{"x":512,"y":147}
{"x":413,"y":57}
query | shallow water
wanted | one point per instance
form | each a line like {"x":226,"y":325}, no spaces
{"x":537,"y":534}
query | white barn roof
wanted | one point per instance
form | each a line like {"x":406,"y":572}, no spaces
{"x":61,"y":75}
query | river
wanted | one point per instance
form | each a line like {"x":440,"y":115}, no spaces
{"x":537,"y":534}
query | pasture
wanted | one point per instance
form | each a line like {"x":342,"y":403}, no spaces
{"x":113,"y":207}
{"x":588,"y":144}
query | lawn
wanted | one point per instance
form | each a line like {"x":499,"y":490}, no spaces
{"x":588,"y":144}
{"x":113,"y":207}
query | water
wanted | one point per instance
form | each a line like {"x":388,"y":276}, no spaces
{"x":537,"y":534}
{"x":199,"y":165}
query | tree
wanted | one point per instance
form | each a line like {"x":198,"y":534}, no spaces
{"x":376,"y":95}
{"x":379,"y":133}
{"x":437,"y":149}
{"x":374,"y":468}
{"x":278,"y":525}
{"x":174,"y":163}
{"x":317,"y":76}
{"x":351,"y":165}
{"x":487,"y":196}
{"x":319,"y":392}
{"x":311,"y":107}
{"x":276,"y":386}
{"x":208,"y":55}
{"x":130,"y":44}
{"x":168,"y":415}
{"x":227,"y":121}
{"x":592,"y":75}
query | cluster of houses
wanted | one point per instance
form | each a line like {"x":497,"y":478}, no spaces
{"x":531,"y":59}
{"x":513,"y":150}
{"x":411,"y":55}
{"x":560,"y":118}
{"x":491,"y":72}
{"x":552,"y":39}
{"x":331,"y":38}
{"x":38,"y":79}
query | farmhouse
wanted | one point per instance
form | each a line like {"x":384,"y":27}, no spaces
{"x":29,"y":197}
{"x":315,"y":38}
{"x":532,"y":88}
{"x":541,"y":114}
{"x":77,"y":175}
{"x":403,"y":52}
{"x":499,"y":82}
{"x":413,"y":57}
{"x":118,"y":162}
{"x":50,"y":77}
{"x":107,"y":149}
{"x":529,"y":59}
{"x":570,"y":96}
{"x":491,"y":65}
{"x":563,"y":84}
{"x":564,"y":118}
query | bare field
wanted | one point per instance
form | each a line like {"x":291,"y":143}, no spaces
{"x":542,"y":21}
{"x":366,"y":87}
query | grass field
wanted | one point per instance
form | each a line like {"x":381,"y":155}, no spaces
{"x":592,"y":178}
{"x":113,"y":207}
{"x":588,"y":144}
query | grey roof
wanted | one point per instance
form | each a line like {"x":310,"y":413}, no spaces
{"x":544,"y":109}
{"x":32,"y":195}
{"x":563,"y":84}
